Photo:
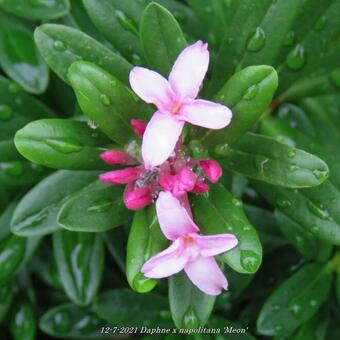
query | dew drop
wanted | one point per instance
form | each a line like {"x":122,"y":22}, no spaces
{"x":92,"y":124}
{"x":298,"y":239}
{"x":320,"y":24}
{"x":136,"y":59}
{"x":100,"y":207}
{"x":230,"y":228}
{"x":335,"y":77}
{"x":251,"y":92}
{"x":320,"y":174}
{"x":62,"y":322}
{"x":230,"y":41}
{"x":289,"y":39}
{"x":197,"y":149}
{"x":59,"y":45}
{"x":222,"y":149}
{"x":249,"y":260}
{"x":323,"y":214}
{"x":257,"y":40}
{"x":283,"y":202}
{"x":105,"y":99}
{"x":296,"y":58}
{"x":12,"y":168}
{"x":292,"y":167}
{"x":6,"y":112}
{"x":236,"y":202}
{"x":314,"y":230}
{"x":260,"y":163}
{"x":278,"y":329}
{"x":313,"y":303}
{"x":291,"y":153}
{"x":190,"y":318}
{"x":276,"y":308}
{"x":64,"y":145}
{"x":13,"y":88}
{"x":296,"y":310}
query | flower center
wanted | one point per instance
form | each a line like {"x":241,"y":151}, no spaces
{"x":175,"y":108}
{"x":188,"y":238}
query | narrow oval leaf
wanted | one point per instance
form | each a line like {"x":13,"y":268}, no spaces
{"x":61,"y":46}
{"x":68,"y":321}
{"x":62,"y":144}
{"x":113,"y":20}
{"x":161,"y":36}
{"x":18,"y":108}
{"x":19,"y":57}
{"x":248,"y":93}
{"x":36,"y":213}
{"x":145,"y":240}
{"x":271,"y":161}
{"x":190,"y":307}
{"x":98,"y":207}
{"x":105,"y":100}
{"x":122,"y":307}
{"x":297,"y":299}
{"x":36,"y":9}
{"x":219,"y":212}
{"x":80,"y":261}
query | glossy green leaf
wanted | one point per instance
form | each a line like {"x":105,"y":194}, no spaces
{"x":6,"y":297}
{"x":161,"y":37}
{"x":62,"y":144}
{"x":23,"y":321}
{"x":36,"y":213}
{"x":122,"y":307}
{"x":61,"y":46}
{"x":219,"y":212}
{"x":116,"y":21}
{"x":297,"y":300}
{"x":98,"y":207}
{"x":304,"y":241}
{"x":145,"y":240}
{"x":68,"y":321}
{"x":248,"y":93}
{"x":19,"y":57}
{"x":105,"y":100}
{"x":271,"y":161}
{"x":190,"y":307}
{"x":36,"y":9}
{"x":80,"y":261}
{"x":315,"y":210}
{"x":17,"y":108}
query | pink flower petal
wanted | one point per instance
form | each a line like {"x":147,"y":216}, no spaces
{"x":138,"y":126}
{"x":212,"y":170}
{"x":206,"y":275}
{"x":173,"y":218}
{"x":116,"y":157}
{"x":136,"y":199}
{"x":170,"y":261}
{"x":151,"y":87}
{"x":184,"y":181}
{"x":160,"y":138}
{"x":211,"y":245}
{"x":205,"y":113}
{"x":189,"y":70}
{"x":122,"y":176}
{"x":200,"y":187}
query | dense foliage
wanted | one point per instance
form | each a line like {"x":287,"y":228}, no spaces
{"x":70,"y":251}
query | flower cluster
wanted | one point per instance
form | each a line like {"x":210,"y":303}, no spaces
{"x":162,"y":172}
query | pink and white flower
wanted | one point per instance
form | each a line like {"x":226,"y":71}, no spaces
{"x":176,"y":103}
{"x":190,"y":251}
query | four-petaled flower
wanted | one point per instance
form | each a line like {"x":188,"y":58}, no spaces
{"x":176,"y":103}
{"x":189,"y":251}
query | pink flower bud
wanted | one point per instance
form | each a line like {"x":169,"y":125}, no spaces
{"x":136,"y":199}
{"x":185,"y":182}
{"x":138,"y":126}
{"x":166,"y":181}
{"x":122,"y":176}
{"x":212,"y":170}
{"x":115,"y":157}
{"x":200,"y":187}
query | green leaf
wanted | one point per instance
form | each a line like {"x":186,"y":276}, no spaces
{"x":314,"y":209}
{"x":105,"y":100}
{"x":190,"y":307}
{"x":218,"y":213}
{"x":36,"y":9}
{"x":17,"y":108}
{"x":301,"y":239}
{"x":248,"y":93}
{"x":80,"y":261}
{"x":19,"y":57}
{"x":23,"y":321}
{"x":145,"y":240}
{"x":6,"y":297}
{"x":161,"y":37}
{"x":122,"y":307}
{"x":297,"y":300}
{"x":116,"y":21}
{"x":268,"y":160}
{"x":36,"y":213}
{"x":61,"y":46}
{"x":98,"y":207}
{"x":62,"y":144}
{"x":68,"y":321}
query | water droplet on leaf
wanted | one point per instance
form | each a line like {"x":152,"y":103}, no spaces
{"x":100,"y":207}
{"x":292,"y":167}
{"x":283,"y":202}
{"x":291,"y":153}
{"x":190,"y":318}
{"x":62,"y":322}
{"x":289,"y":39}
{"x":249,"y":260}
{"x":257,"y":40}
{"x":323,"y":214}
{"x":296,"y":58}
{"x":222,"y":149}
{"x":105,"y":99}
{"x":296,"y":310}
{"x":59,"y":45}
{"x":64,"y":145}
{"x":251,"y":92}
